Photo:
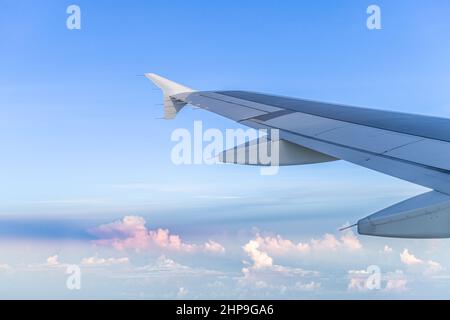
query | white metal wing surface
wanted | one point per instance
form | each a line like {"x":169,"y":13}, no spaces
{"x":411,"y":147}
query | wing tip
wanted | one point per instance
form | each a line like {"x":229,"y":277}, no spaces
{"x":169,"y":87}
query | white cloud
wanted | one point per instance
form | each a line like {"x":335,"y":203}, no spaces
{"x":390,"y":281}
{"x":263,"y":273}
{"x":399,"y":285}
{"x":260,"y":258}
{"x":182,"y":292}
{"x":53,"y":260}
{"x":214,"y":247}
{"x":396,"y":282}
{"x":281,"y":246}
{"x":357,"y":280}
{"x":5,"y":267}
{"x":387,"y":249}
{"x":131,"y":233}
{"x":96,"y":261}
{"x":166,"y":266}
{"x":429,"y":267}
{"x":433,"y":268}
{"x":277,"y":245}
{"x":327,"y":242}
{"x":409,"y":259}
{"x":350,"y":241}
{"x":311,"y":286}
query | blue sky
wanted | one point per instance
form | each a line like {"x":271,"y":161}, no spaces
{"x":82,"y":145}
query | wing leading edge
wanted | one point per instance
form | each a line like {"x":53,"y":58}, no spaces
{"x":414,"y":148}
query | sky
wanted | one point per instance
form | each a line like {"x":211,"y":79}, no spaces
{"x":86,"y":170}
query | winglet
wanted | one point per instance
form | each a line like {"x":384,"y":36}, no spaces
{"x":169,"y":87}
{"x":172,"y":105}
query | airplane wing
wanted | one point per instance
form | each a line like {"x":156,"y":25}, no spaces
{"x":411,"y":147}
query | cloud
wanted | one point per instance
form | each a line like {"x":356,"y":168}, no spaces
{"x":260,"y":259}
{"x":131,"y":233}
{"x":277,"y":245}
{"x":429,"y":267}
{"x":396,"y":282}
{"x":165,"y":265}
{"x":96,"y":261}
{"x":433,"y":268}
{"x":328,"y":242}
{"x":350,"y":241}
{"x":390,"y":281}
{"x":5,"y":267}
{"x":169,"y":267}
{"x":387,"y":249}
{"x":281,"y":246}
{"x":214,"y":247}
{"x":182,"y":292}
{"x":409,"y":259}
{"x":261,"y":272}
{"x":53,"y":260}
{"x":311,"y":286}
{"x":357,"y":280}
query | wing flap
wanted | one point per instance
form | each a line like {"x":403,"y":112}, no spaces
{"x":281,"y":153}
{"x":226,"y":109}
{"x":429,"y":152}
{"x":357,"y":136}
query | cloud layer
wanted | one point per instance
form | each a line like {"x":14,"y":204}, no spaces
{"x":263,"y":273}
{"x":277,"y":245}
{"x":131,"y":233}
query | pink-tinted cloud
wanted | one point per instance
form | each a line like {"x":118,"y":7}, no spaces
{"x":409,"y":259}
{"x":279,"y":246}
{"x":350,"y":241}
{"x":53,"y":260}
{"x":429,"y":267}
{"x":131,"y":233}
{"x":260,"y":258}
